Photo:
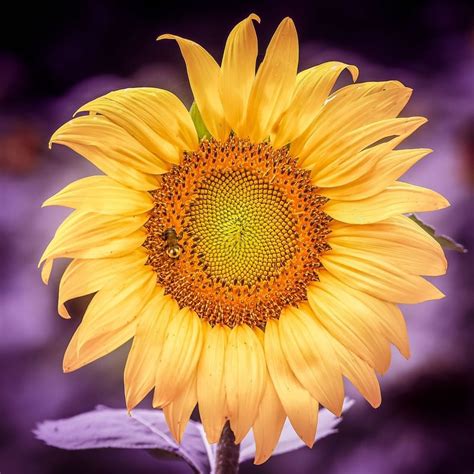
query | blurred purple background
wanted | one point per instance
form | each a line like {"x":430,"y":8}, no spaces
{"x":61,"y":55}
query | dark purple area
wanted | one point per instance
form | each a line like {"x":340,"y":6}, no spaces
{"x":58,"y":55}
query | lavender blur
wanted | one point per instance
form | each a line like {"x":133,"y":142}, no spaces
{"x":64,"y":59}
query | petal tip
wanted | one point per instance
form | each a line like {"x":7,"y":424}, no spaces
{"x":445,"y":203}
{"x":48,"y":202}
{"x":64,"y":313}
{"x":254,"y":16}
{"x":354,"y":70}
{"x":166,"y":36}
{"x":261,"y":458}
{"x":376,"y":403}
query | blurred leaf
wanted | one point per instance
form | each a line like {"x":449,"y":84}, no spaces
{"x":201,"y":128}
{"x":147,"y":429}
{"x":446,"y":242}
{"x":289,"y":440}
{"x":143,"y":429}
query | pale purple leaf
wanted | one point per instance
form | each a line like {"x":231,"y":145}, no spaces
{"x":114,"y":428}
{"x":289,"y":440}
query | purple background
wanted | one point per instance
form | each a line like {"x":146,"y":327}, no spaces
{"x":61,"y":55}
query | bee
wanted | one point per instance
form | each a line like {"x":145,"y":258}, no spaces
{"x":173,"y":249}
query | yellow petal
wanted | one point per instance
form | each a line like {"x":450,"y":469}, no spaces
{"x":359,"y":373}
{"x":179,"y":357}
{"x":178,"y":412}
{"x":312,"y":89}
{"x":112,"y":150}
{"x":244,"y":378}
{"x":155,"y":117}
{"x":274,"y":83}
{"x":352,"y":155}
{"x":383,"y":173}
{"x":308,"y":350}
{"x":391,"y":324}
{"x":268,"y":424}
{"x":377,"y":315}
{"x":210,"y":381}
{"x":83,"y":277}
{"x":379,"y":278}
{"x":400,"y":198}
{"x":109,"y":322}
{"x":393,"y":241}
{"x":204,"y":77}
{"x":348,"y":109}
{"x":46,"y":270}
{"x":117,"y":304}
{"x":238,"y":71}
{"x":102,"y":195}
{"x":140,"y":369}
{"x":348,"y":321}
{"x":301,"y":408}
{"x":89,"y":235}
{"x":97,"y":347}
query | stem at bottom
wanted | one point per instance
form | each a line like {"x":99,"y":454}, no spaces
{"x":227,"y":455}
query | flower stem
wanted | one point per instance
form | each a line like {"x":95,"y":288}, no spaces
{"x":227,"y":455}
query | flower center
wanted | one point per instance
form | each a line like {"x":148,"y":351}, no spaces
{"x":242,"y":226}
{"x":236,"y":232}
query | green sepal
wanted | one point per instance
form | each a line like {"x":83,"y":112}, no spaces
{"x":201,"y":128}
{"x":446,"y":242}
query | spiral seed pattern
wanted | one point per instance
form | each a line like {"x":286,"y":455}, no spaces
{"x":243,"y":227}
{"x":251,"y":230}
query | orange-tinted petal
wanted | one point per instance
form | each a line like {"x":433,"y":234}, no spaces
{"x":204,"y":76}
{"x":274,"y":83}
{"x":238,"y":71}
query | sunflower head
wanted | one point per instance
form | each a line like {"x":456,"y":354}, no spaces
{"x":255,"y":257}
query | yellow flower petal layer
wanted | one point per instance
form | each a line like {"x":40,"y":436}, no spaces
{"x":381,"y":316}
{"x":309,"y":352}
{"x":359,"y":373}
{"x":244,"y":378}
{"x":154,"y":117}
{"x":110,"y":319}
{"x":349,"y":109}
{"x":89,"y":235}
{"x":179,"y":356}
{"x":382,"y":174}
{"x":397,"y":240}
{"x":300,"y":407}
{"x":210,"y":381}
{"x":274,"y":83}
{"x":204,"y":77}
{"x":268,"y":424}
{"x":352,"y":155}
{"x":117,"y":304}
{"x":349,"y":320}
{"x":93,"y":349}
{"x":400,"y":198}
{"x":178,"y":412}
{"x":102,"y":195}
{"x":238,"y":71}
{"x":140,"y":369}
{"x":83,"y":277}
{"x":379,"y":278}
{"x":312,"y":89}
{"x":112,"y":150}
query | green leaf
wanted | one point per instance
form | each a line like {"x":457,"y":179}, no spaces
{"x":446,"y":242}
{"x":201,"y":129}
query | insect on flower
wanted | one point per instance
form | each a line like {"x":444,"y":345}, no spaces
{"x":173,"y":248}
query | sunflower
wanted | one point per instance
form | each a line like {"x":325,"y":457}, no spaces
{"x":255,"y":263}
